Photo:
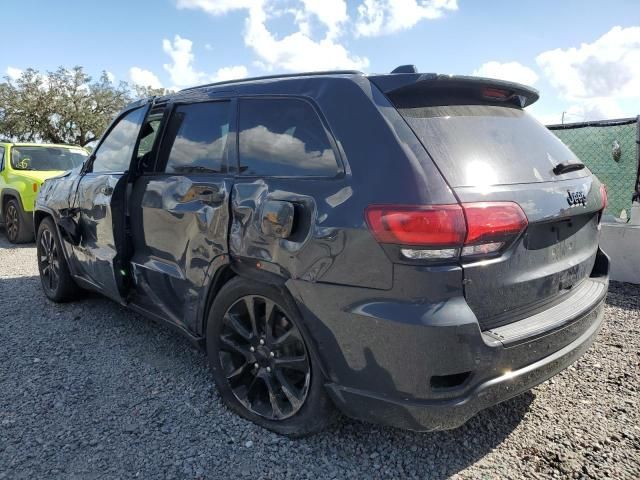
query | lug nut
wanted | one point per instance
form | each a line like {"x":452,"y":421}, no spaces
{"x":271,"y":354}
{"x":256,"y":365}
{"x":261,"y":341}
{"x":269,"y":369}
{"x":252,"y":349}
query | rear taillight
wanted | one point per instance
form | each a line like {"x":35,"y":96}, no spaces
{"x":440,"y":225}
{"x":603,"y":196}
{"x":447,"y":231}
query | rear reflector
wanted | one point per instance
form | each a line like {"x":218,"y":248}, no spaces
{"x":447,"y":231}
{"x":421,"y":254}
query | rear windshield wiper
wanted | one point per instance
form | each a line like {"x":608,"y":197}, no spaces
{"x":567,"y":167}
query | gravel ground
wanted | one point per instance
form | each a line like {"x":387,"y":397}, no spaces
{"x":90,"y":390}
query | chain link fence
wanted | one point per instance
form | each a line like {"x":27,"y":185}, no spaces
{"x":611,"y":150}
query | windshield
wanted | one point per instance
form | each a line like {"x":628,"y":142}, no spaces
{"x":487,"y":145}
{"x":46,"y":158}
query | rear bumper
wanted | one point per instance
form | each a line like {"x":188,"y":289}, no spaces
{"x":453,"y":412}
{"x":428,"y":366}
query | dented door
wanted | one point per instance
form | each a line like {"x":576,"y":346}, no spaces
{"x":180,"y":213}
{"x":180,"y":226}
{"x":293,"y":200}
{"x":101,"y":200}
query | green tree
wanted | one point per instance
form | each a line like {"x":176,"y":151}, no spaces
{"x":65,"y":106}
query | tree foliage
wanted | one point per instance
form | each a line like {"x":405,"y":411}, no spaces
{"x":65,"y":106}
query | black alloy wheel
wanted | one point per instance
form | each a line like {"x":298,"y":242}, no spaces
{"x":264,"y":358}
{"x":12,"y":222}
{"x":49,"y":260}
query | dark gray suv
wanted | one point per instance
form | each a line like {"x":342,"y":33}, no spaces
{"x":409,"y":248}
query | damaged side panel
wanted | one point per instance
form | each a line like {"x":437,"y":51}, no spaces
{"x":54,"y":199}
{"x":179,"y":231}
{"x":321,"y":247}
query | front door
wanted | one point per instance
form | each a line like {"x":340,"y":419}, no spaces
{"x":101,"y":198}
{"x":180,"y":212}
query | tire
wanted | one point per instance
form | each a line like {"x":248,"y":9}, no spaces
{"x":15,"y":227}
{"x":57,"y":283}
{"x":302,"y":406}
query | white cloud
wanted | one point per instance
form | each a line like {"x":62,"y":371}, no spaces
{"x":182,"y":70}
{"x":608,"y":67}
{"x":144,"y":78}
{"x":296,"y":51}
{"x":331,"y":13}
{"x":229,"y":73}
{"x":512,"y":71}
{"x":13,"y":73}
{"x":379,"y":17}
{"x":594,"y":109}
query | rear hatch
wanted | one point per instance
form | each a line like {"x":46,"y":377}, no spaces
{"x":490,"y":150}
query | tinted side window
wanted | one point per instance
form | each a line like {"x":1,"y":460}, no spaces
{"x":148,"y":137}
{"x":1,"y":159}
{"x":197,"y":138}
{"x":283,"y":137}
{"x":115,"y":152}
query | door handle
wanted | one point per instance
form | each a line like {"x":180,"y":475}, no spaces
{"x":210,"y":195}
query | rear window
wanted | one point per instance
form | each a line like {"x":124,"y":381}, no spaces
{"x":47,"y":158}
{"x":196,"y":138}
{"x":488,"y":145}
{"x":284,"y":137}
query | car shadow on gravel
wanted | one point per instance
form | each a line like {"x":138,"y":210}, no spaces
{"x":4,"y":241}
{"x":440,"y":454}
{"x":157,"y":392}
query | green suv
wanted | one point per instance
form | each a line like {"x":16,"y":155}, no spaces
{"x":23,"y":168}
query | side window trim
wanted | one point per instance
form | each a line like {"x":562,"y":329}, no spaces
{"x":229,"y":149}
{"x":337,"y":152}
{"x":2,"y":155}
{"x":165,"y":111}
{"x":104,"y":136}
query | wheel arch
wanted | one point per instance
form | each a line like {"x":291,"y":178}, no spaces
{"x":10,"y":194}
{"x":220,"y":278}
{"x":39,"y":216}
{"x":230,"y":269}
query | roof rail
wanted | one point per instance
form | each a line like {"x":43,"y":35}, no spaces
{"x":282,"y":75}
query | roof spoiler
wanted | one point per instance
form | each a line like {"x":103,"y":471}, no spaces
{"x":495,"y":91}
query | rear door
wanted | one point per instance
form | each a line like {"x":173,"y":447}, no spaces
{"x":101,"y":197}
{"x":180,"y":210}
{"x":291,"y":179}
{"x":490,"y":153}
